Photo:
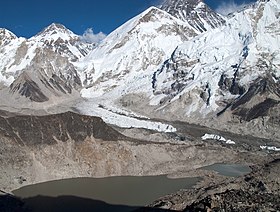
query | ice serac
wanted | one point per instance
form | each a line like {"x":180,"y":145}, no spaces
{"x":42,"y":67}
{"x":128,"y":56}
{"x":232,"y":71}
{"x":195,"y":12}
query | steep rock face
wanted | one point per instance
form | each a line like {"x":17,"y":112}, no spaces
{"x":129,"y":54}
{"x":49,"y":75}
{"x":194,"y":12}
{"x":259,"y":101}
{"x":25,"y":86}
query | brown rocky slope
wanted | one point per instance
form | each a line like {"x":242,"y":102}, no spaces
{"x":257,"y":191}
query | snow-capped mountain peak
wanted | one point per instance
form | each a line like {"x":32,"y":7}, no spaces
{"x":44,"y":64}
{"x":137,"y":47}
{"x":56,"y":30}
{"x":62,"y":41}
{"x":4,"y":33}
{"x":235,"y":66}
{"x":195,"y":12}
{"x":6,"y":37}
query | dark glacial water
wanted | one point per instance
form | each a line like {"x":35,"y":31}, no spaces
{"x":110,"y":192}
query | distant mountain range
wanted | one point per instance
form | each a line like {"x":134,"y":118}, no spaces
{"x":180,"y":61}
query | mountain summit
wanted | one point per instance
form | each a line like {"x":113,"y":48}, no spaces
{"x":134,"y":50}
{"x":55,"y":28}
{"x":6,"y":37}
{"x":195,"y":12}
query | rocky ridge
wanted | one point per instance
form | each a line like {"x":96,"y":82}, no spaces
{"x":37,"y":130}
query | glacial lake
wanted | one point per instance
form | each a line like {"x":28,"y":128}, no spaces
{"x":129,"y":191}
{"x":111,"y":193}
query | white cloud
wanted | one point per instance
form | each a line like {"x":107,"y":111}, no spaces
{"x":228,"y":7}
{"x":90,"y":37}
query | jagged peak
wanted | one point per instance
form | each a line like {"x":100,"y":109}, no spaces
{"x":173,"y":6}
{"x":4,"y":33}
{"x":198,"y":14}
{"x":152,"y":14}
{"x":181,"y":2}
{"x":55,"y":28}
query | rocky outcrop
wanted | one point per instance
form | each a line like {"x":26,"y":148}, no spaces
{"x":260,"y":100}
{"x":238,"y":200}
{"x":43,"y":130}
{"x":257,"y":191}
{"x":26,"y":87}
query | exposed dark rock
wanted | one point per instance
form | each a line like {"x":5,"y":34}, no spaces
{"x":60,"y":84}
{"x":231,"y":85}
{"x":35,"y":130}
{"x":259,"y":110}
{"x":237,"y":200}
{"x":37,"y":85}
{"x":262,"y":87}
{"x":262,"y":96}
{"x":25,"y":86}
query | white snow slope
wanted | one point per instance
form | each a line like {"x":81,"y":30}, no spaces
{"x":246,"y":48}
{"x":134,"y":59}
{"x":128,"y":56}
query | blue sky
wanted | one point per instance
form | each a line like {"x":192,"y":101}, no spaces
{"x":28,"y":17}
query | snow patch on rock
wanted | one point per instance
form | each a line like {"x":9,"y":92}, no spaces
{"x":217,"y":138}
{"x":270,"y":148}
